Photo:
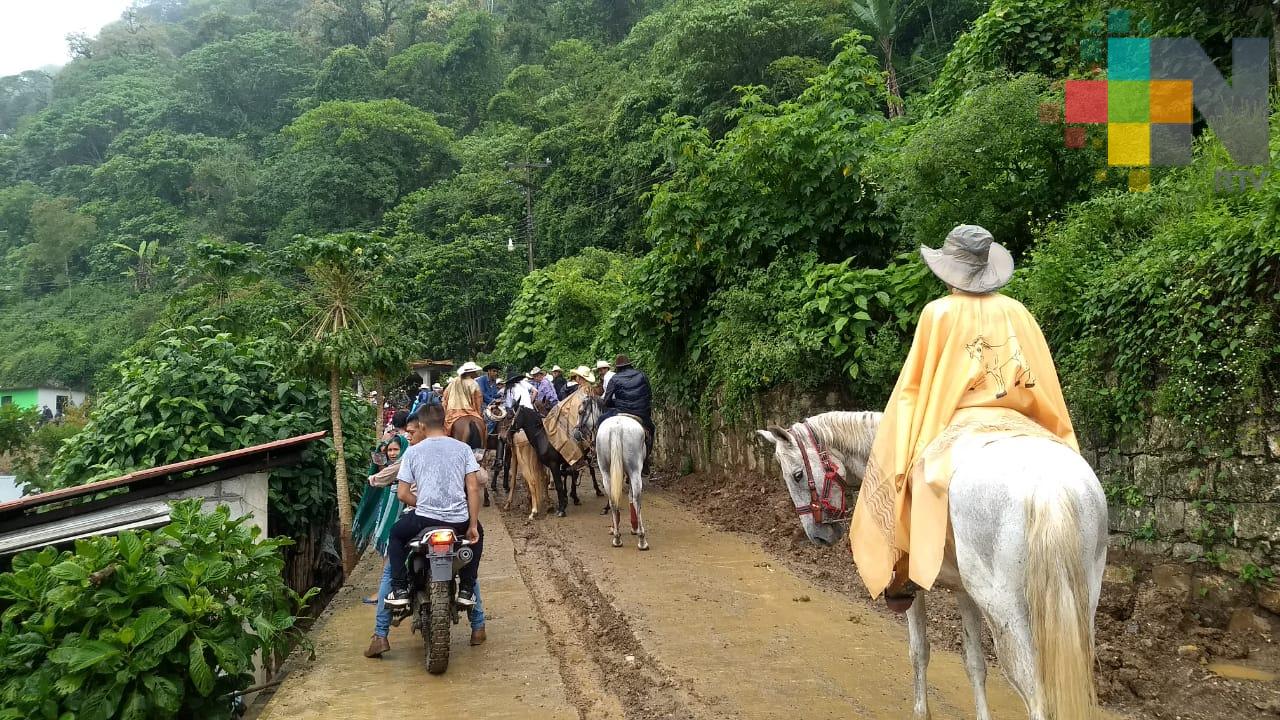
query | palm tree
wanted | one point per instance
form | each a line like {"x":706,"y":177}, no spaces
{"x":881,"y":18}
{"x":347,"y":322}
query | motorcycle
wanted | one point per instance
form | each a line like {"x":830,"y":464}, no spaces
{"x":435,"y":557}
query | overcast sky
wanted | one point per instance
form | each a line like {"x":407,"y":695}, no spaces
{"x":33,"y":32}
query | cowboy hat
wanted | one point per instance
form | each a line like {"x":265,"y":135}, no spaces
{"x":425,"y":385}
{"x":621,"y":361}
{"x":583,"y":372}
{"x":602,"y":365}
{"x":436,"y":386}
{"x":468,"y":367}
{"x":492,"y":366}
{"x":515,"y":378}
{"x":537,"y":371}
{"x":556,"y":368}
{"x":970,"y":260}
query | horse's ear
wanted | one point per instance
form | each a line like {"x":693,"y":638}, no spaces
{"x":775,"y":435}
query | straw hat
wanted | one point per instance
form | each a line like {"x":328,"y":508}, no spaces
{"x":970,"y":260}
{"x":436,"y":386}
{"x":583,"y":372}
{"x":602,"y":365}
{"x":556,"y":368}
{"x":468,"y":367}
{"x":536,"y":371}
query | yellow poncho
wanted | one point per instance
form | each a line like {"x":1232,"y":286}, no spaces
{"x":983,"y":354}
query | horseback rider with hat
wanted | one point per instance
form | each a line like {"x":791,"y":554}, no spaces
{"x":628,"y":393}
{"x":978,"y":366}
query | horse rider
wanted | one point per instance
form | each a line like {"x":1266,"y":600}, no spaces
{"x":489,"y":391}
{"x":978,"y":364}
{"x":627,"y":392}
{"x":463,"y":397}
{"x":546,"y":396}
{"x":581,"y":378}
{"x":519,"y":393}
{"x":606,"y":374}
{"x":558,"y":380}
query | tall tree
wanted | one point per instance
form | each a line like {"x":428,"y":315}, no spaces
{"x":880,"y":18}
{"x":59,"y":233}
{"x":348,"y":322}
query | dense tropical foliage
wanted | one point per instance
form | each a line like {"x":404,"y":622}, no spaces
{"x":146,"y":624}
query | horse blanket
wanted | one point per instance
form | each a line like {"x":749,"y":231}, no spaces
{"x":980,"y":354}
{"x":560,"y":423}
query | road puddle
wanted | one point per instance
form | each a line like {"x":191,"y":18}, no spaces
{"x":1232,"y":671}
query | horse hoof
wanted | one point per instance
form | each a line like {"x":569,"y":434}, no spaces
{"x":560,"y":513}
{"x":599,"y":494}
{"x":576,"y":501}
{"x":643,"y":546}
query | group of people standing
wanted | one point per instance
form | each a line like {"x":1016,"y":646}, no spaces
{"x":421,"y":476}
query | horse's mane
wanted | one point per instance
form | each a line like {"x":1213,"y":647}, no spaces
{"x":851,"y":433}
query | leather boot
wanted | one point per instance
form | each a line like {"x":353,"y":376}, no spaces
{"x":377,"y":646}
{"x":478,"y":636}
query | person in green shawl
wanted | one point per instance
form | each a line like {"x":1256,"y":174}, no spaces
{"x":379,"y":507}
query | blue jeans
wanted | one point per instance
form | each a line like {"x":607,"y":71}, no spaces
{"x":382,"y":621}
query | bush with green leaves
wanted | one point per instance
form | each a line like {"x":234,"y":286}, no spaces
{"x":991,"y":161}
{"x":16,"y":427}
{"x":1165,"y":302}
{"x":198,"y":392}
{"x":146,"y":624}
{"x":558,"y":314}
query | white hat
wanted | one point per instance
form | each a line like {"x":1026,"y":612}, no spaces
{"x":583,"y":372}
{"x":556,"y":368}
{"x":536,"y":371}
{"x":468,"y":367}
{"x":602,"y":364}
{"x":435,"y":386}
{"x":424,"y":386}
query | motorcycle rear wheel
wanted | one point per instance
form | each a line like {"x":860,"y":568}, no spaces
{"x":434,"y":624}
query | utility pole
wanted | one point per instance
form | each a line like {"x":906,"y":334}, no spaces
{"x":527,"y":184}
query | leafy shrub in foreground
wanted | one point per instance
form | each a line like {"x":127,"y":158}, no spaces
{"x":144,"y":625}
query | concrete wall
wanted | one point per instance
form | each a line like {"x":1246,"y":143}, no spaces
{"x":1165,"y":498}
{"x":243,"y":494}
{"x":39,"y":397}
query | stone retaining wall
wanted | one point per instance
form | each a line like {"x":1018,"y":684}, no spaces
{"x":1166,"y":497}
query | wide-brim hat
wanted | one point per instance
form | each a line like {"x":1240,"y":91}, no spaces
{"x":468,"y":367}
{"x":492,"y":366}
{"x":602,"y":364}
{"x":583,"y":372}
{"x":436,"y":386}
{"x":424,"y":386}
{"x":556,"y":368}
{"x":515,"y":379}
{"x":970,"y":260}
{"x":537,"y":371}
{"x":621,"y":361}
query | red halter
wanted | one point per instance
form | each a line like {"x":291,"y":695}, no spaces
{"x":820,"y":506}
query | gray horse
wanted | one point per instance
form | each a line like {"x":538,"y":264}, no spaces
{"x":620,"y":450}
{"x":1026,"y":551}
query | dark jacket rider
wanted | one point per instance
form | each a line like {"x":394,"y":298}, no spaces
{"x":628,"y":393}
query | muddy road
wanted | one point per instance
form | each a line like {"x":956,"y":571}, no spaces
{"x":704,"y":625}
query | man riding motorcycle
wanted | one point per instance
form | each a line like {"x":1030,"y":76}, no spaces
{"x":449,"y":492}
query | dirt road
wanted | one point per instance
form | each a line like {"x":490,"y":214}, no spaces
{"x":704,"y":625}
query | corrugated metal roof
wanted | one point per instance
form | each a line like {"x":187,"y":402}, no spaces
{"x":53,"y":496}
{"x":111,"y":521}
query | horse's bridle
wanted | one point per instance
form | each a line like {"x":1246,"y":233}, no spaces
{"x":820,"y":506}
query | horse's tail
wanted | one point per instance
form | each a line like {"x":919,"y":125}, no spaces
{"x":617,"y":468}
{"x":1057,"y":592}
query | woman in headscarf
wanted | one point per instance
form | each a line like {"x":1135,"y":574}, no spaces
{"x":379,"y":507}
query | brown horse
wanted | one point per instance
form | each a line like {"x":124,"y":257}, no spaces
{"x":470,"y":430}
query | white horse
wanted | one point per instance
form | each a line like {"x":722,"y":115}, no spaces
{"x":1025,"y":550}
{"x":619,"y":444}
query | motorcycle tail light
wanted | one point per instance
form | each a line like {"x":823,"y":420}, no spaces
{"x":441,"y":538}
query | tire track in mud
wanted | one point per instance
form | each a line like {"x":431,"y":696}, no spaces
{"x":606,"y":671}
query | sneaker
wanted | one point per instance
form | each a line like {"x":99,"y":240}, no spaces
{"x":466,"y":598}
{"x":398,"y":598}
{"x":377,"y":646}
